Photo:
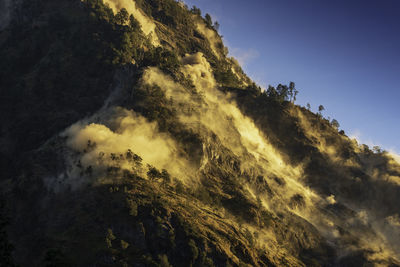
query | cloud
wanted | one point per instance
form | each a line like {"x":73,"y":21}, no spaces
{"x":244,"y":56}
{"x":213,"y":113}
{"x":362,"y":139}
{"x":115,"y":134}
{"x":355,"y":134}
{"x":227,"y":136}
{"x":210,"y":34}
{"x":220,"y":114}
{"x":395,"y":156}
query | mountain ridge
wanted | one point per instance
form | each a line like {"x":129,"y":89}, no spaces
{"x":135,"y":146}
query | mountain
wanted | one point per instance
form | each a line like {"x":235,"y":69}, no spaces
{"x":129,"y":137}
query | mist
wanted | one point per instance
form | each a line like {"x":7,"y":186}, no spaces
{"x":206,"y":110}
{"x":211,"y":36}
{"x":147,"y":25}
{"x":104,"y":144}
{"x":219,"y":114}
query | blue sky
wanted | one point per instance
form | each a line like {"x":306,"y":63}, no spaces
{"x":343,"y":54}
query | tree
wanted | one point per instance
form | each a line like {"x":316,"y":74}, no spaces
{"x":208,"y":20}
{"x":320,"y":109}
{"x":283,"y":92}
{"x":271,"y":92}
{"x":122,"y":16}
{"x":377,"y":149}
{"x":133,"y":23}
{"x":216,"y":25}
{"x":335,"y":123}
{"x":196,"y":10}
{"x":165,"y":176}
{"x":153,"y":173}
{"x":308,"y":106}
{"x":292,"y":92}
{"x":279,"y":94}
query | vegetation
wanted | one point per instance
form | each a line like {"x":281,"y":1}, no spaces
{"x":283,"y":93}
{"x":63,"y":62}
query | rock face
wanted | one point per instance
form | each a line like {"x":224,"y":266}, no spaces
{"x":130,"y":138}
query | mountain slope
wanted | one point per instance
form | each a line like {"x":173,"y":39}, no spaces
{"x":130,"y":138}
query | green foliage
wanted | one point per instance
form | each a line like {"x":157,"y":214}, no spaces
{"x":165,"y":176}
{"x":133,"y":23}
{"x":335,"y":124}
{"x":151,"y":103}
{"x":196,"y":11}
{"x":216,"y":26}
{"x":68,"y":62}
{"x":73,"y":59}
{"x":122,"y":17}
{"x":166,"y":60}
{"x":227,"y":78}
{"x":279,"y":94}
{"x":377,"y":150}
{"x":208,"y":20}
{"x":153,"y":173}
{"x":172,"y":14}
{"x":132,"y":157}
{"x":282,"y":93}
{"x":292,"y":92}
{"x":223,"y":74}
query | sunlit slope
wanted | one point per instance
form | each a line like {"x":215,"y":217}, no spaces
{"x":163,"y":152}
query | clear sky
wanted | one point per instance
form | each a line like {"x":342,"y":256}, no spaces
{"x":343,"y":54}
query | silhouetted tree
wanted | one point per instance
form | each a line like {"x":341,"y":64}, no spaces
{"x":283,"y":92}
{"x":122,"y":16}
{"x":279,"y":94}
{"x":271,"y":92}
{"x":335,"y":123}
{"x":216,"y":25}
{"x":196,"y":10}
{"x":292,"y":92}
{"x":208,"y":20}
{"x":320,"y":109}
{"x":153,"y":173}
{"x":133,"y":23}
{"x":165,"y":176}
{"x":308,"y":106}
{"x":377,"y":149}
